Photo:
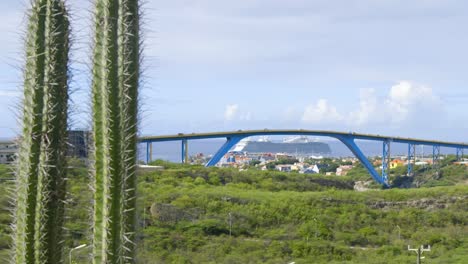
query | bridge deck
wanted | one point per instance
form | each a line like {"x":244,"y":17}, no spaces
{"x":271,"y":132}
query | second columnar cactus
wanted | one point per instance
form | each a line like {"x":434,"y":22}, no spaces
{"x":115,"y":111}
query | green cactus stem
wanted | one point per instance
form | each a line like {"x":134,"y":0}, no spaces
{"x":40,"y":188}
{"x":115,"y":111}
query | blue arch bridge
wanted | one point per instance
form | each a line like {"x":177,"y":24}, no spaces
{"x":348,"y":139}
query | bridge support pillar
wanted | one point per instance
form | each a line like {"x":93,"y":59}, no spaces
{"x":349,"y":142}
{"x":184,"y":152}
{"x":230,"y":142}
{"x":411,"y":159}
{"x":149,"y":152}
{"x":386,"y":159}
{"x":460,"y":153}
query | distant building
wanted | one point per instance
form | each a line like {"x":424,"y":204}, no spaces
{"x":343,"y":170}
{"x":283,"y":168}
{"x":8,"y":152}
{"x":231,"y":159}
{"x":461,"y":163}
{"x":265,"y":158}
{"x":78,"y":146}
{"x":296,"y":167}
{"x":79,"y":142}
{"x":283,"y":156}
{"x":421,"y":163}
{"x":396,"y":163}
{"x":316,"y":157}
{"x":311,"y":170}
{"x":235,"y":159}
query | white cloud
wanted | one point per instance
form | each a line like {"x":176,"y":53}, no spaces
{"x":231,"y":112}
{"x":321,"y":112}
{"x":368,"y":107}
{"x":405,"y":102}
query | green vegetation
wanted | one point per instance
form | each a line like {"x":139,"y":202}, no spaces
{"x":115,"y":93}
{"x":40,"y":176}
{"x":276,"y":218}
{"x":192,"y":214}
{"x":425,"y":176}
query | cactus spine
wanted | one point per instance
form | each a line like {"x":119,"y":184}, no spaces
{"x":40,"y":187}
{"x":115,"y":93}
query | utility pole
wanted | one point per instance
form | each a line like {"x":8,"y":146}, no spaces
{"x":316,"y":231}
{"x":419,"y":251}
{"x":144,"y":224}
{"x":230,"y":224}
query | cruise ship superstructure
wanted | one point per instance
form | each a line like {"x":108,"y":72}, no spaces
{"x":300,"y":145}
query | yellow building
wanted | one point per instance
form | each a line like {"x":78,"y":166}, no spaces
{"x":396,"y":163}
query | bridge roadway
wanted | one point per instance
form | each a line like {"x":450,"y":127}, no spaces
{"x":347,"y":138}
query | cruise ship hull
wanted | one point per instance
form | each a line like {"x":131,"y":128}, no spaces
{"x":290,"y":148}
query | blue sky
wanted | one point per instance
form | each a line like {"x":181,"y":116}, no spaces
{"x":385,"y":67}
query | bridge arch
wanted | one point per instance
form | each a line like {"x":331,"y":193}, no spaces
{"x":347,"y":138}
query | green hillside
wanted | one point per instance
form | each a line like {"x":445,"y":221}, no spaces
{"x":192,"y":214}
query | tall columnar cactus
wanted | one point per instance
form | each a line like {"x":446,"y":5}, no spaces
{"x":40,"y":187}
{"x":115,"y":93}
